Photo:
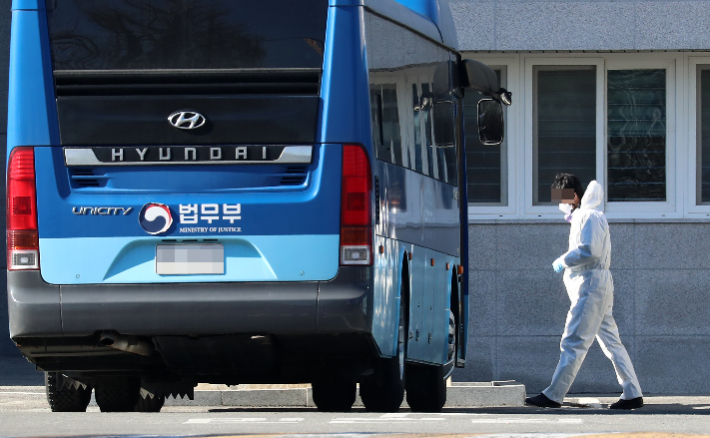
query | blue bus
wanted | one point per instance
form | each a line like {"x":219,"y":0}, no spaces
{"x":233,"y":192}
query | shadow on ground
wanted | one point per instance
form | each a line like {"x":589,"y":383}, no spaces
{"x":16,"y":371}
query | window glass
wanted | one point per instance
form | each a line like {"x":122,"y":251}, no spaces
{"x":703,"y":192}
{"x":486,"y":166}
{"x":564,"y":125}
{"x":426,"y":106}
{"x":636,"y":126}
{"x":385,"y":123}
{"x":418,"y":151}
{"x":403,"y":69}
{"x":195,"y":34}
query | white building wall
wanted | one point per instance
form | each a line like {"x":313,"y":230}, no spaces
{"x":660,"y":250}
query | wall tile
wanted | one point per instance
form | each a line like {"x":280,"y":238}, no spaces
{"x":483,"y":290}
{"x":672,"y":246}
{"x":479,"y":361}
{"x":482,"y":244}
{"x":672,"y":302}
{"x":673,"y":365}
{"x":622,"y":246}
{"x":530,"y":246}
{"x":531,"y":303}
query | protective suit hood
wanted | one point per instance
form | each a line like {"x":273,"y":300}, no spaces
{"x":593,"y":197}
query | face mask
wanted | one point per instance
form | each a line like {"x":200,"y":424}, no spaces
{"x":567,"y":210}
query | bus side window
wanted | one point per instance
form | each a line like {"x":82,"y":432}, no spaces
{"x":418,"y":153}
{"x":376,"y":117}
{"x":427,"y":102}
{"x":445,"y":123}
{"x":390,"y":124}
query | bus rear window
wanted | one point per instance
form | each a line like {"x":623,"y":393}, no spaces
{"x":186,"y":34}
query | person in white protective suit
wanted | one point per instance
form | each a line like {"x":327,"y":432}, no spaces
{"x":591,"y":291}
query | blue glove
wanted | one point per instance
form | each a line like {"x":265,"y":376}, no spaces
{"x":557,"y":266}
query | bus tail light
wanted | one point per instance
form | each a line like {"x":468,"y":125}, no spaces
{"x":22,"y":235}
{"x":356,"y":208}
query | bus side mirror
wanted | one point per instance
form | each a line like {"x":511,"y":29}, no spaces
{"x":479,"y":77}
{"x":490,"y":122}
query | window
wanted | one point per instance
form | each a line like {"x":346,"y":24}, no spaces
{"x":411,"y":104}
{"x":703,"y":135}
{"x":385,"y":123}
{"x":564,"y":125}
{"x":636,"y":135}
{"x":207,"y":34}
{"x":486,"y":166}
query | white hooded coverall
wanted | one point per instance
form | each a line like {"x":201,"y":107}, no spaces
{"x":591,"y":291}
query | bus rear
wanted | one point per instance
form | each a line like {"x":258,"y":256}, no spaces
{"x":187,"y":184}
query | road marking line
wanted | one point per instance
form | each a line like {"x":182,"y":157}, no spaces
{"x":395,"y":415}
{"x":223,"y":420}
{"x":381,"y":420}
{"x":527,"y":421}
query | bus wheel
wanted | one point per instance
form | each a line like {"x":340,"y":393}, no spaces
{"x":65,"y":399}
{"x":334,"y":395}
{"x":453,"y":342}
{"x":118,"y":394}
{"x":426,"y":388}
{"x":148,"y":402}
{"x":383,"y":390}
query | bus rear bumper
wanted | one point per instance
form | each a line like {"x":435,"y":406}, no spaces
{"x":38,"y":309}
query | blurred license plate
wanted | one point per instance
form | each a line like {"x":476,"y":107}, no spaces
{"x":189,"y":259}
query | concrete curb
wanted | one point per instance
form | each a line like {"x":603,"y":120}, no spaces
{"x":460,"y":394}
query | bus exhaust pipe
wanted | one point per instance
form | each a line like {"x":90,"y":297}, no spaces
{"x":131,"y":344}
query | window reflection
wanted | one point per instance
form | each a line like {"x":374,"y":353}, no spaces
{"x":636,"y":125}
{"x":194,"y":34}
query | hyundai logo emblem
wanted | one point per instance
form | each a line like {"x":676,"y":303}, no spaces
{"x":155,"y":218}
{"x":187,"y":120}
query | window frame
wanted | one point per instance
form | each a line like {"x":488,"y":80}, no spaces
{"x":693,"y":209}
{"x":667,"y":208}
{"x":512,"y":137}
{"x":552,"y":211}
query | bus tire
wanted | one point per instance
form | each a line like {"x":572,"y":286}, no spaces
{"x":118,"y":394}
{"x":334,"y":395}
{"x":383,"y":390}
{"x":426,"y":388}
{"x":148,"y":402}
{"x":66,"y":399}
{"x":452,"y":339}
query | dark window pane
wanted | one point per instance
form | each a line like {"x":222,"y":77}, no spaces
{"x":182,"y":34}
{"x":390,"y":124}
{"x":704,"y":136}
{"x":565,"y":126}
{"x":418,"y":152}
{"x":636,"y":126}
{"x":426,"y":104}
{"x":485,"y":165}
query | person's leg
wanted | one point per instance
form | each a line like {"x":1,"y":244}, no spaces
{"x":608,"y":338}
{"x":583,"y":321}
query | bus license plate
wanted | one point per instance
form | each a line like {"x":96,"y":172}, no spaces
{"x":189,"y":259}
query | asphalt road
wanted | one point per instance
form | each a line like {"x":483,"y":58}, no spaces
{"x":25,"y":413}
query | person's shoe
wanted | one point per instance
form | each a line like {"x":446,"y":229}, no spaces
{"x":633,"y":403}
{"x":541,"y":401}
